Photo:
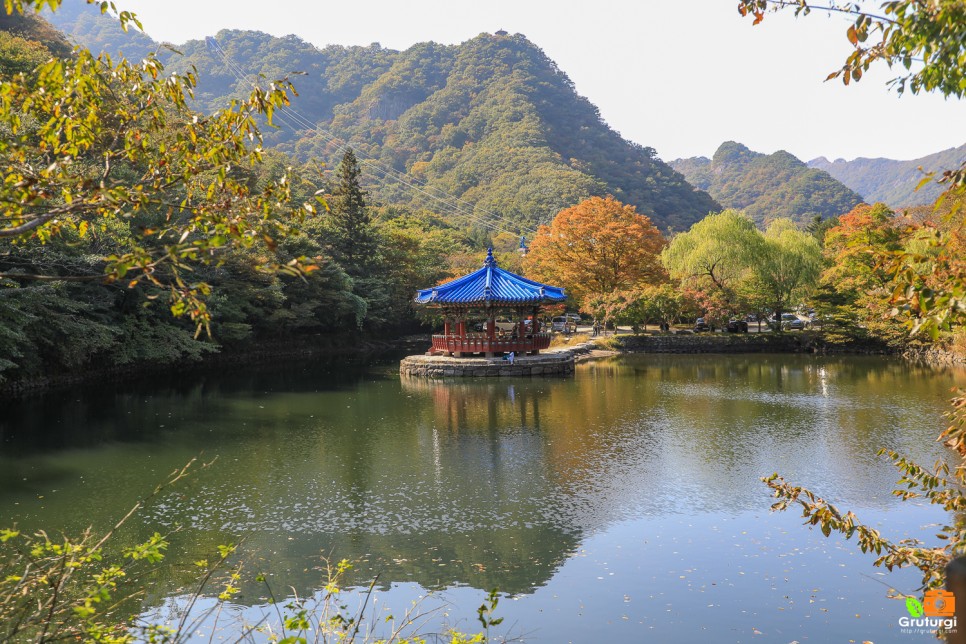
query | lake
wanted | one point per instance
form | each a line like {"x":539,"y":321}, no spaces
{"x":621,"y":505}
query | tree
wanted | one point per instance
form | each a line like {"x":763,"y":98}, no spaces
{"x":925,"y":39}
{"x":88,"y":142}
{"x":600,"y":246}
{"x":818,"y":226}
{"x":352,"y":238}
{"x":662,"y":304}
{"x":787,"y":264}
{"x":930,"y":34}
{"x":715,"y":254}
{"x":856,"y":283}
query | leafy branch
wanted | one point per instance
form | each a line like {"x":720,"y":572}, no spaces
{"x":932,"y":485}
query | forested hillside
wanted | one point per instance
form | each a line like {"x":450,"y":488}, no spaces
{"x":99,"y":229}
{"x":492,"y":121}
{"x":890,"y":181}
{"x":767,"y":187}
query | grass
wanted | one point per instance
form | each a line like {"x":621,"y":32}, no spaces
{"x":564,"y":340}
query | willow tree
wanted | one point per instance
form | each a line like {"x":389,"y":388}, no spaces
{"x":786,"y":266}
{"x":715,"y":254}
{"x":597,"y":248}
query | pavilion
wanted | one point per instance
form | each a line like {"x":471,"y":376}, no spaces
{"x":488,"y":293}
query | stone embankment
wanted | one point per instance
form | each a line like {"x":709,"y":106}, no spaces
{"x":551,"y":363}
{"x":935,"y":356}
{"x":791,"y":342}
{"x":561,"y":361}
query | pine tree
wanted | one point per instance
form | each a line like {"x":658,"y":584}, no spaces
{"x":352,"y":239}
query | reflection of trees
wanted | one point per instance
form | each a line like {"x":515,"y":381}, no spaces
{"x":730,"y":419}
{"x":485,"y":482}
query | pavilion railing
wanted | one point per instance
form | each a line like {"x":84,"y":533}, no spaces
{"x":480,"y":343}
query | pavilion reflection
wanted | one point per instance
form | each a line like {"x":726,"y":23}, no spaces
{"x":490,"y":404}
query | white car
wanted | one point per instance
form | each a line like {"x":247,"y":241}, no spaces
{"x":565,"y":323}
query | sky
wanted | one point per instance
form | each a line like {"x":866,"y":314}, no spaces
{"x":678,"y":76}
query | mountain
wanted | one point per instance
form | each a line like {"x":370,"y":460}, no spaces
{"x":84,"y":25}
{"x":893,"y":182}
{"x":767,"y":186}
{"x":27,"y":41}
{"x":491,"y":121}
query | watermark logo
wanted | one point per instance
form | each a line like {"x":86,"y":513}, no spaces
{"x":914,"y":606}
{"x":936,"y":611}
{"x":939,"y":603}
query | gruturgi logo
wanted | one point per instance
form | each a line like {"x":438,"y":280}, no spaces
{"x":937,"y":610}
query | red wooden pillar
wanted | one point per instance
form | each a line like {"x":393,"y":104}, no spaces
{"x":536,"y":328}
{"x":490,"y":334}
{"x":460,"y":337}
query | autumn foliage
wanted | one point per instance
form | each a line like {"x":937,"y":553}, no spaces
{"x":598,"y":247}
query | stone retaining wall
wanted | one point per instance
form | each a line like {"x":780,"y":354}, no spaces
{"x":935,"y":356}
{"x":557,"y":363}
{"x":790,"y":342}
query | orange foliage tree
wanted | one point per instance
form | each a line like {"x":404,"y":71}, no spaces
{"x":597,"y":248}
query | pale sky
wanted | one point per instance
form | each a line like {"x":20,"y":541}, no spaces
{"x":678,"y":76}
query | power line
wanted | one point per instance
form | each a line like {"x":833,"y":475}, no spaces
{"x":453,"y":205}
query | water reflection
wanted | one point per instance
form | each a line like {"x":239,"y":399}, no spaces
{"x":479,"y":483}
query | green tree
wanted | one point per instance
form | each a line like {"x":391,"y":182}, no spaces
{"x":786,"y":265}
{"x":663,"y":304}
{"x":353,"y":241}
{"x":88,"y":142}
{"x":819,"y":225}
{"x":715,"y":254}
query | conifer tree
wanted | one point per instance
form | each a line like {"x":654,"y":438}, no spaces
{"x":352,"y":238}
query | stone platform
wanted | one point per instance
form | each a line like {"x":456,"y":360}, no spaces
{"x":553,"y":363}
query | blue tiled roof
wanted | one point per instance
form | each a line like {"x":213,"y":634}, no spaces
{"x":491,"y":285}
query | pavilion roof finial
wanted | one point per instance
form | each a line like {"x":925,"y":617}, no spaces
{"x":489,"y":261}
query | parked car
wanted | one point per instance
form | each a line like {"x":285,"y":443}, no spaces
{"x":700,"y":325}
{"x":503,"y":324}
{"x":792,"y":322}
{"x":508,"y":326}
{"x":737,"y":326}
{"x":564,"y":323}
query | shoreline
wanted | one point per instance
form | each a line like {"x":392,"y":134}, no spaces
{"x":353,"y":347}
{"x":297,"y":349}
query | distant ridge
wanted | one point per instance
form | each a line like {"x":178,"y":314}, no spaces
{"x":768,"y":186}
{"x":890,"y":181}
